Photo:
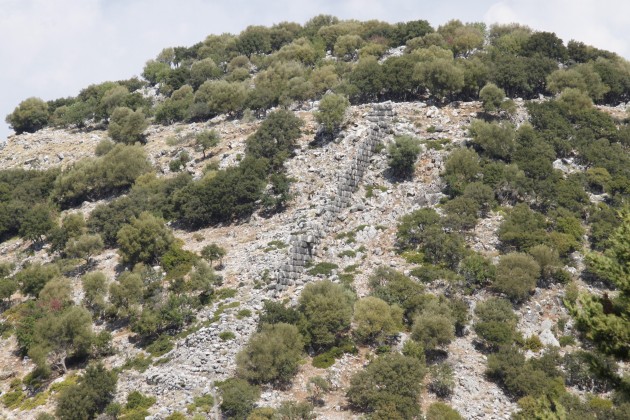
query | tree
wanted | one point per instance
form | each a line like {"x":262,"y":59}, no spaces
{"x":29,"y":116}
{"x":434,"y":326}
{"x":89,"y":397}
{"x":375,"y":320}
{"x":327,"y":308}
{"x":37,"y":223}
{"x":145,"y":239}
{"x":388,"y":387}
{"x":397,"y":289}
{"x":94,"y":290}
{"x":221,"y":97}
{"x":276,"y":137}
{"x":84,"y":246}
{"x":34,"y":277}
{"x":496,"y":140}
{"x":206,"y":140}
{"x":491,"y":96}
{"x":461,"y":168}
{"x":238,"y":398}
{"x":402,"y":156}
{"x":605,"y":320}
{"x":332,"y":110}
{"x":213,"y":252}
{"x":127,"y":126}
{"x":517,"y":274}
{"x":271,"y":355}
{"x":59,"y":336}
{"x":496,"y":323}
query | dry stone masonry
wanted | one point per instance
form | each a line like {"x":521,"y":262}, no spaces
{"x":308,"y":234}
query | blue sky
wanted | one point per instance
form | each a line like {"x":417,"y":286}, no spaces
{"x":53,"y":48}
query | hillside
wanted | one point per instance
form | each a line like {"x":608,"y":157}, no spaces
{"x":282,"y":234}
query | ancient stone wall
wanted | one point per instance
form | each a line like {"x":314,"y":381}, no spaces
{"x":308,"y":235}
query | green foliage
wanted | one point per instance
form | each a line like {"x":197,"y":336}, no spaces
{"x":517,"y":274}
{"x":127,"y":126}
{"x":29,"y":116}
{"x":388,"y":387}
{"x":402,"y":156}
{"x":441,"y":411}
{"x":496,"y":140}
{"x":89,"y":397}
{"x":161,"y":346}
{"x":461,"y":168}
{"x":442,"y":381}
{"x":271,"y":355}
{"x":322,"y":269}
{"x":213,"y":252}
{"x":375,"y":320}
{"x":523,"y":228}
{"x":477,"y":270}
{"x":397,"y":289}
{"x":34,"y":277}
{"x":327,"y":309}
{"x":37,"y":222}
{"x":434,"y":326}
{"x":207,"y":140}
{"x":496,"y":324}
{"x":238,"y":398}
{"x":275,"y":138}
{"x":491,"y":96}
{"x":95,"y":178}
{"x":145,"y":239}
{"x":332,"y":110}
{"x":84,"y":246}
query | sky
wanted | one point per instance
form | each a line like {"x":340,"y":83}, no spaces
{"x":54,"y":48}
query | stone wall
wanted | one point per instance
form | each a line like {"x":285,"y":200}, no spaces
{"x":308,"y":235}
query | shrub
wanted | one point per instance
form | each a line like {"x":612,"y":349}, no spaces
{"x":327,"y":309}
{"x":397,"y":289}
{"x":442,"y":381}
{"x":238,"y":398}
{"x":375,"y":320}
{"x":496,"y":324}
{"x":126,"y":125}
{"x":29,"y":116}
{"x":491,"y":96}
{"x":402,"y":156}
{"x":332,"y":110}
{"x":434,"y":326}
{"x":441,"y":411}
{"x":93,"y":392}
{"x":271,"y":355}
{"x":388,"y":387}
{"x":517,"y":274}
{"x":145,"y":239}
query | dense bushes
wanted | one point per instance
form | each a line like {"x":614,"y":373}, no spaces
{"x":29,"y":116}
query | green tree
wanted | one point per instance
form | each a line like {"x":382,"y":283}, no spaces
{"x":89,"y":397}
{"x":127,"y":126}
{"x":332,"y":111}
{"x":434,"y":326}
{"x":271,"y":355}
{"x":34,"y":277}
{"x":441,"y":411}
{"x":207,"y":140}
{"x":403,"y":154}
{"x":496,"y":140}
{"x":491,"y":96}
{"x":221,"y":97}
{"x":37,"y":223}
{"x":213,"y":252}
{"x":94,"y":290}
{"x":375,"y":320}
{"x":276,"y":137}
{"x":238,"y":398}
{"x":397,"y":289}
{"x":517,"y":274}
{"x":84,"y":246}
{"x":145,"y":239}
{"x":496,"y":323}
{"x":59,"y":336}
{"x":461,"y":168}
{"x":327,"y":309}
{"x":388,"y":387}
{"x":29,"y":116}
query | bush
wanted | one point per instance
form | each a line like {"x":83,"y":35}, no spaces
{"x":491,"y":96}
{"x":127,"y":126}
{"x":238,"y":398}
{"x":434,"y":326}
{"x":29,"y":116}
{"x":145,"y":239}
{"x":327,"y":309}
{"x":441,"y":411}
{"x":93,"y":392}
{"x":332,"y":110}
{"x":271,"y":355}
{"x":442,"y":381}
{"x":517,"y":274}
{"x":375,"y":320}
{"x":397,"y":289}
{"x":275,"y":138}
{"x":388,"y":387}
{"x":496,"y":324}
{"x":403,"y":154}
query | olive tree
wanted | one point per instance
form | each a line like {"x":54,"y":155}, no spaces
{"x":127,"y":126}
{"x":29,"y":116}
{"x":332,"y":110}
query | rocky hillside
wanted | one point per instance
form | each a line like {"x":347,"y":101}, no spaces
{"x":345,"y":212}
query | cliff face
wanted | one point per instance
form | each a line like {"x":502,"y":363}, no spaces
{"x":342,"y":190}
